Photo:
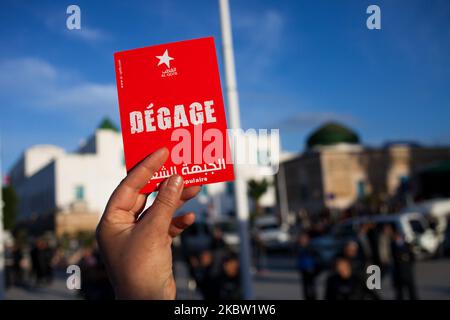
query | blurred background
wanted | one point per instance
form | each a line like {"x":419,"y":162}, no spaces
{"x":364,"y":176}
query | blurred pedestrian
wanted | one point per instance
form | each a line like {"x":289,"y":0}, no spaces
{"x":359,"y":266}
{"x":94,"y":279}
{"x":385,"y":252}
{"x":260,"y":254}
{"x":308,"y":266}
{"x":342,"y":284}
{"x":403,"y":268}
{"x":18,"y":272}
{"x":218,"y":242}
{"x":9,"y":265}
{"x":365,"y":243}
{"x":219,"y":250}
{"x":206,"y":276}
{"x":41,"y":262}
{"x":357,"y":260}
{"x":48,"y":254}
{"x":229,"y":280}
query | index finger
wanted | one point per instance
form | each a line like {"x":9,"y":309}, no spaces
{"x":126,"y":194}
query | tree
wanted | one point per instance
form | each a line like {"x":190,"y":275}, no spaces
{"x":10,"y":207}
{"x":256,"y":189}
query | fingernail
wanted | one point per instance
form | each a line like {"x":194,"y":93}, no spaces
{"x":175,"y":182}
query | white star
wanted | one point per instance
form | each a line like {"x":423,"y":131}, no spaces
{"x":165,"y":59}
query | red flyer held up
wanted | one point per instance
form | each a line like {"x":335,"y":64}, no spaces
{"x":170,"y":96}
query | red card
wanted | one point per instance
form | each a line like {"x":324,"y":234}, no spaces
{"x":170,"y":95}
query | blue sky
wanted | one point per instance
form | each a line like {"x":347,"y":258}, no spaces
{"x":299,"y":63}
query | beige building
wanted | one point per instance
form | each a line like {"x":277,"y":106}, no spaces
{"x":336,"y":170}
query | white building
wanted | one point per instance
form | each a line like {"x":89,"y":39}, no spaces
{"x":53,"y":183}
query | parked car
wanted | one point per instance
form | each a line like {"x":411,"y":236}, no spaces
{"x":270,"y":233}
{"x":229,"y":232}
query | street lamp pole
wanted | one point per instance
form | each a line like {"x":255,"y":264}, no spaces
{"x":282,"y":195}
{"x":240,"y":185}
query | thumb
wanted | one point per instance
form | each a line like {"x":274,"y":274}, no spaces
{"x":166,"y":203}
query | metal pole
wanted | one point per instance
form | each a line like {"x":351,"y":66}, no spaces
{"x":240,"y":185}
{"x":282,"y":195}
{"x":2,"y":252}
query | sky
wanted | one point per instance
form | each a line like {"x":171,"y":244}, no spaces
{"x":298,"y":63}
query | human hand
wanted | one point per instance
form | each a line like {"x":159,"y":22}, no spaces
{"x":136,"y":247}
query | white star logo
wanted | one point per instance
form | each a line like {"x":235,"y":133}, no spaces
{"x":165,"y":59}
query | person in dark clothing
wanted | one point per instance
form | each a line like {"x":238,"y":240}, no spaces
{"x":260,"y":253}
{"x":47,"y":256}
{"x":40,"y":261}
{"x":206,"y":276}
{"x":372,"y":236}
{"x":94,"y":281}
{"x":344,"y":285}
{"x":217,"y":239}
{"x":219,"y":251}
{"x":9,"y":266}
{"x":352,"y":253}
{"x":308,"y":266}
{"x":384,"y":245}
{"x":365,"y":242}
{"x":357,"y":260}
{"x":229,"y":280}
{"x":403,"y":268}
{"x":17,"y":256}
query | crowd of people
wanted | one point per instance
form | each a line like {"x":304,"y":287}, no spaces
{"x":347,"y":279}
{"x":33,"y":264}
{"x":29,"y":266}
{"x":215,"y":269}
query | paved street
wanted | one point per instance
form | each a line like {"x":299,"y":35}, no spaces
{"x":280,"y":282}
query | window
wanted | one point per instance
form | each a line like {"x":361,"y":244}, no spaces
{"x":79,"y":193}
{"x":230,"y":188}
{"x":204,"y":191}
{"x":361,"y":189}
{"x":417,"y":226}
{"x":403,"y":183}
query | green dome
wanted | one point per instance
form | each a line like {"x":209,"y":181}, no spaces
{"x":330,"y":134}
{"x":108,"y":125}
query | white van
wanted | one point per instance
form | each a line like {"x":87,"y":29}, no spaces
{"x":412,"y":225}
{"x":415,"y":229}
{"x":437,"y":212}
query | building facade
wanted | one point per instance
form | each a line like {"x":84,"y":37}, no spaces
{"x":66,"y":191}
{"x":334,"y":173}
